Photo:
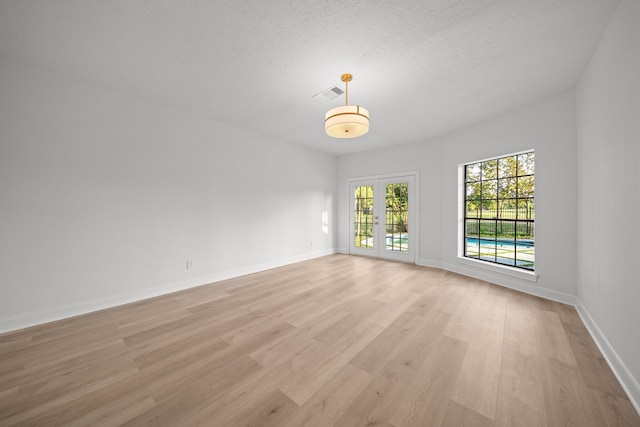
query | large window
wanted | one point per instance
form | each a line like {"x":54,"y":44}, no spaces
{"x":499,"y":218}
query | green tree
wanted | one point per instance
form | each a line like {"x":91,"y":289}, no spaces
{"x":502,"y":189}
{"x":363,"y":211}
{"x":397,"y":206}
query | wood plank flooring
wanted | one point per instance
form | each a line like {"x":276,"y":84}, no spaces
{"x":335,"y":341}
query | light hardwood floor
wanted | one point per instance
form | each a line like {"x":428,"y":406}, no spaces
{"x":335,"y":341}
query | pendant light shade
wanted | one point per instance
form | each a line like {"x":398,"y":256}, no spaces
{"x":348,"y":121}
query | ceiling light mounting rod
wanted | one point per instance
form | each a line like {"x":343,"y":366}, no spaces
{"x":346,"y":78}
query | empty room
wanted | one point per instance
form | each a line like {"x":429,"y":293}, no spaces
{"x":298,"y":213}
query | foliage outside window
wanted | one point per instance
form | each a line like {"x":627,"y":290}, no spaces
{"x":397,"y":217}
{"x":499,"y":219}
{"x":363,"y":217}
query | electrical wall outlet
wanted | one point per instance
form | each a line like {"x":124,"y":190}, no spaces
{"x":189,"y":264}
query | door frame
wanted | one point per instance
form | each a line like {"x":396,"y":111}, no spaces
{"x":414,"y":203}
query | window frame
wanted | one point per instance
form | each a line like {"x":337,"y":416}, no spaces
{"x":490,"y":199}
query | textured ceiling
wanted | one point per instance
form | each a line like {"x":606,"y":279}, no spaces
{"x":421,"y":67}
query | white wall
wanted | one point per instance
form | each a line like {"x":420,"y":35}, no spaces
{"x":609,"y":195}
{"x":104,"y":198}
{"x":549,"y":128}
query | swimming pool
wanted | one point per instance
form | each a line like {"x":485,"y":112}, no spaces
{"x":501,"y":243}
{"x":518,"y":253}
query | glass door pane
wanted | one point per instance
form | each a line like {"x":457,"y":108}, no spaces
{"x":397,"y":217}
{"x":363,"y":216}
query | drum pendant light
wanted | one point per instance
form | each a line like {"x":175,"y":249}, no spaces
{"x":348,"y":121}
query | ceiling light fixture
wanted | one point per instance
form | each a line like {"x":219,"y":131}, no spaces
{"x":348,"y":121}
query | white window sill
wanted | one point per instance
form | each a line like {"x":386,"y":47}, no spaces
{"x":502,"y":269}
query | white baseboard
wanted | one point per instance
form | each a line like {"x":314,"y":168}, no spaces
{"x":511,"y":282}
{"x":620,"y":370}
{"x":12,"y":323}
{"x":428,"y":263}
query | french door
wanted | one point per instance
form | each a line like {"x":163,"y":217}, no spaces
{"x":382,"y":218}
